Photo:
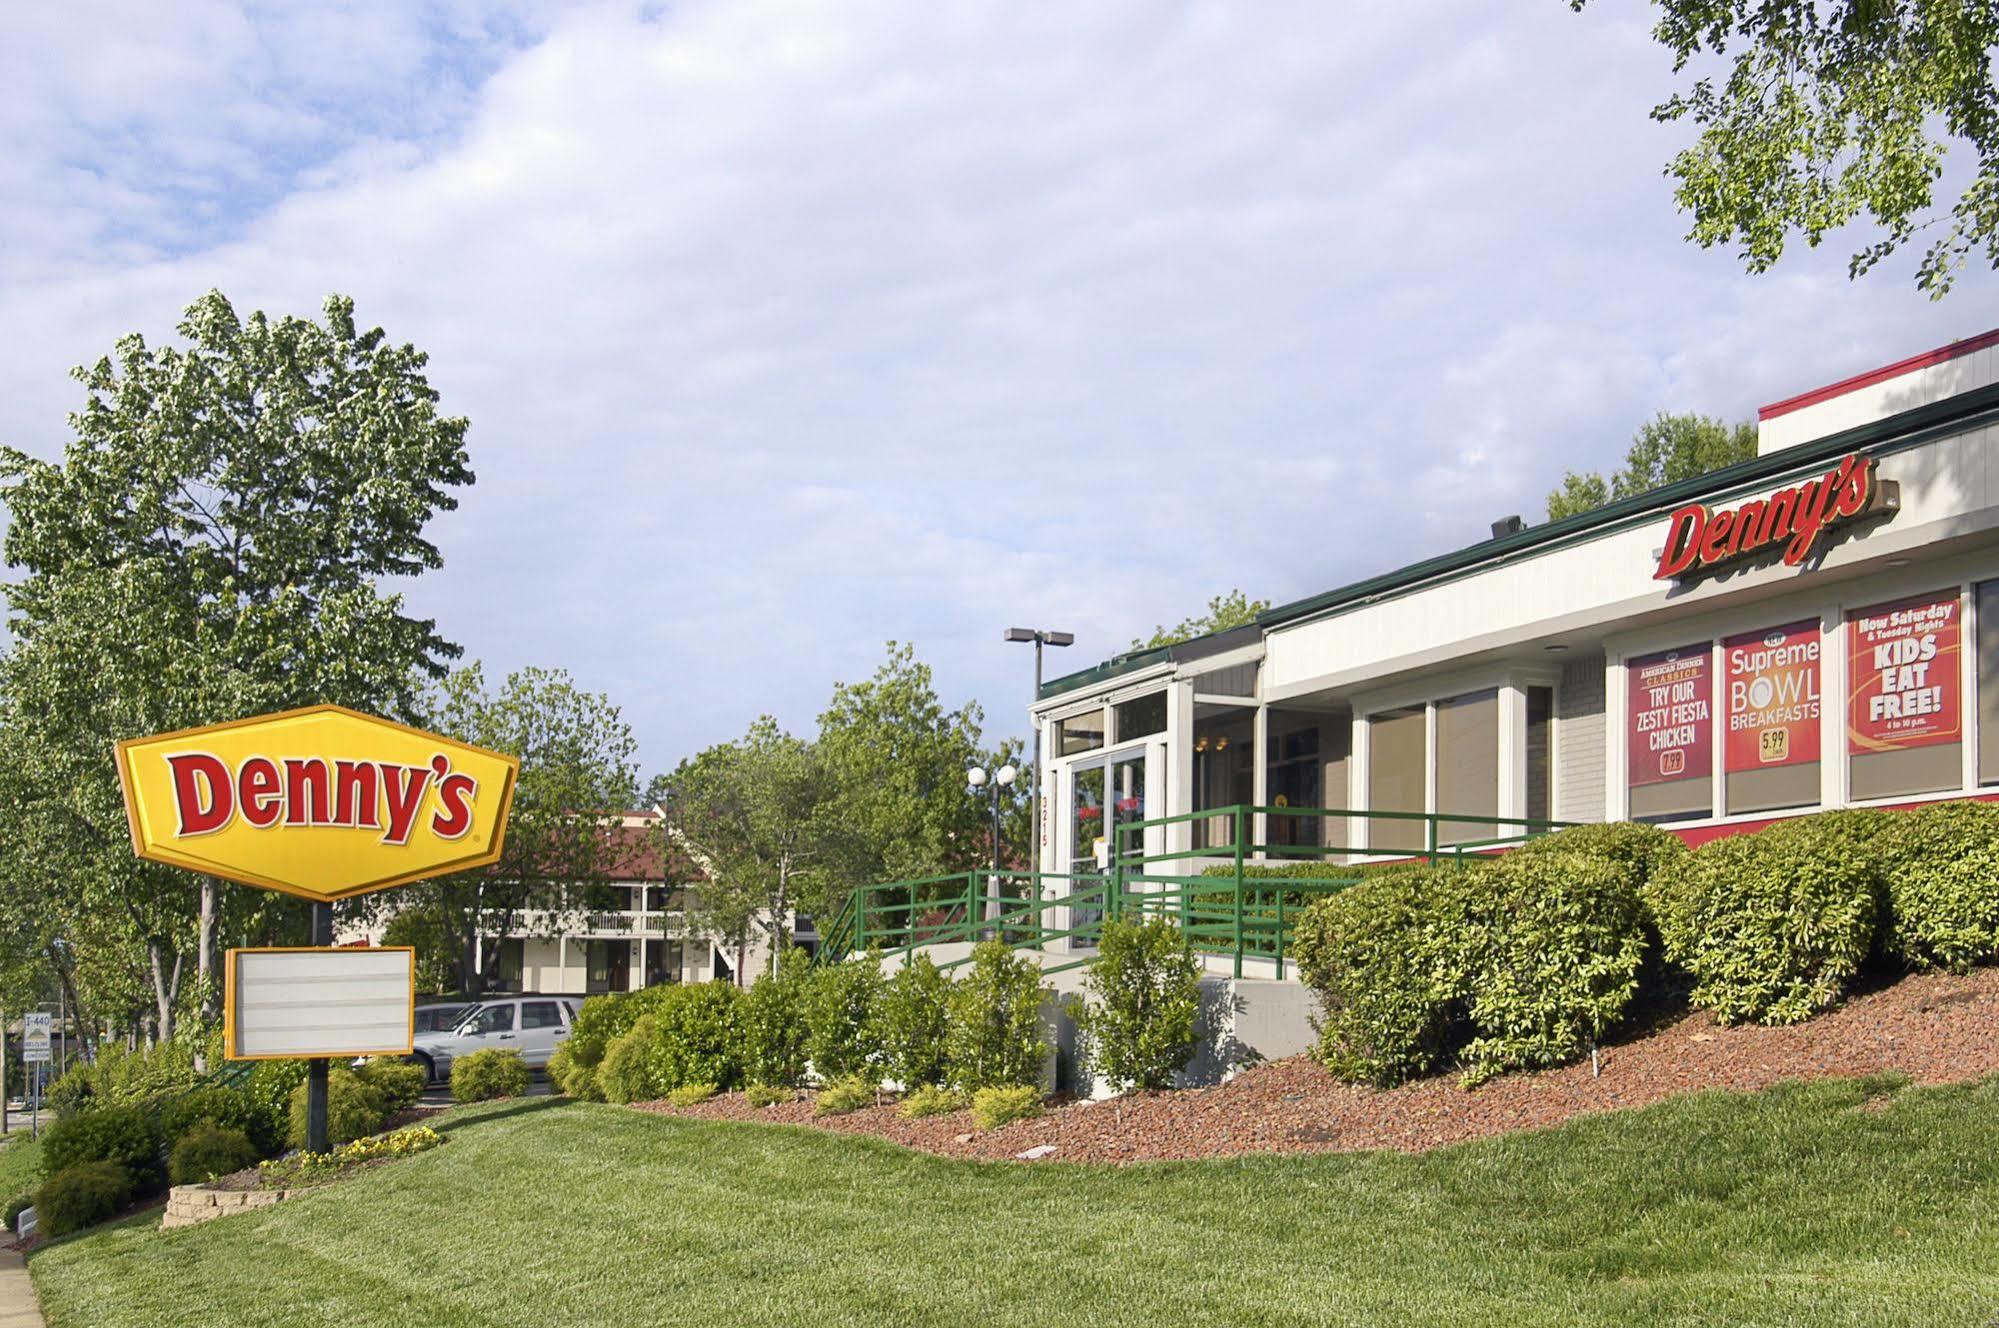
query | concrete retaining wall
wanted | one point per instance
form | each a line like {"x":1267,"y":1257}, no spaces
{"x":191,"y":1205}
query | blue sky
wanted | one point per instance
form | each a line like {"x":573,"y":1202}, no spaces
{"x":786,"y":328}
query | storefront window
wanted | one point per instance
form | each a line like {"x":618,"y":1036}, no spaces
{"x":1770,"y":750}
{"x":1140,"y":717}
{"x":1468,"y":765}
{"x":1224,"y":770}
{"x":1905,"y":714}
{"x":1079,"y":733}
{"x":1397,"y":758}
{"x":1540,"y":766}
{"x":1295,"y":776}
{"x":1988,"y":683}
{"x":1669,"y":733}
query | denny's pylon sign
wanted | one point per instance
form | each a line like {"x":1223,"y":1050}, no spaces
{"x":323,"y":802}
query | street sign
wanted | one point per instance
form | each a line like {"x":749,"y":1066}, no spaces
{"x":35,"y":1034}
{"x":323,"y":802}
{"x":319,"y":1002}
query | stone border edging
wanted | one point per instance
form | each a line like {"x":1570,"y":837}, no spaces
{"x":191,"y":1205}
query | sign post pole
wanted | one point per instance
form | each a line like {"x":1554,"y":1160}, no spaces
{"x":3,"y":1073}
{"x":35,"y":1033}
{"x":315,"y":1075}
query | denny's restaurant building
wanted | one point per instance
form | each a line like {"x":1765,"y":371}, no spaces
{"x":1817,"y":627}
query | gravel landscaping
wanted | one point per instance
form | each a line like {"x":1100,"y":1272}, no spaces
{"x":1932,"y":1028}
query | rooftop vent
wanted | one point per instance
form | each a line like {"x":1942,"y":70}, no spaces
{"x":1507,"y":525}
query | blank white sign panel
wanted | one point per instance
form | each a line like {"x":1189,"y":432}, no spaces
{"x":339,"y":1002}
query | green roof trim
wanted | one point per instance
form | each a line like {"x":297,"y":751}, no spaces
{"x":1906,"y":429}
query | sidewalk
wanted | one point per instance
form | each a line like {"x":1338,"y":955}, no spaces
{"x":18,"y":1308}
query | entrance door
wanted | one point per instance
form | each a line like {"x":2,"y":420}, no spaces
{"x":1104,"y":794}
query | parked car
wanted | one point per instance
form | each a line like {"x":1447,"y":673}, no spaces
{"x":439,"y":1018}
{"x":529,"y":1024}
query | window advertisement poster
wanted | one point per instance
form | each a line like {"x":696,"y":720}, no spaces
{"x":1903,"y":683}
{"x":1671,"y":700}
{"x":1772,"y":681}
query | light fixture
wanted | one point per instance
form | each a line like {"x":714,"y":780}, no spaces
{"x":1554,"y":647}
{"x":1005,"y":775}
{"x":976,"y":777}
{"x":1900,"y":562}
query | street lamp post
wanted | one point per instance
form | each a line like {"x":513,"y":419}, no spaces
{"x":993,"y":789}
{"x":1040,"y":638}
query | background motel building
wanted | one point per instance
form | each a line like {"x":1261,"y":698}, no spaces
{"x":1557,"y":671}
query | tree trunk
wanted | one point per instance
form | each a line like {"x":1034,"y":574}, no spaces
{"x":79,"y":1015}
{"x":204,"y":961}
{"x":165,"y":988}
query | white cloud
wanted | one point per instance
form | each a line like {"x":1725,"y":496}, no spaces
{"x":786,"y":328}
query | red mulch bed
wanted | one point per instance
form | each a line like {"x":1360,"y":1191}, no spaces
{"x":1933,"y":1028}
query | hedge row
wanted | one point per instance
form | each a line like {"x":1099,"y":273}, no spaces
{"x":1528,"y":959}
{"x":843,"y":1022}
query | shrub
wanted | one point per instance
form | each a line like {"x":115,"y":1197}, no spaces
{"x":1941,"y":867}
{"x":1773,"y":925}
{"x":1145,"y":995}
{"x":1002,"y":1104}
{"x":626,"y":1073}
{"x":400,"y":1083}
{"x":485,"y":1075}
{"x":81,"y":1195}
{"x":775,"y":1040}
{"x":353,"y":1109}
{"x":995,"y":1021}
{"x":209,"y":1150}
{"x":844,"y":1095}
{"x":221,"y":1106}
{"x":602,"y":1019}
{"x":931,"y":1100}
{"x":766,"y":1095}
{"x":270,"y":1088}
{"x":128,"y":1136}
{"x":842,"y":1017}
{"x":76,"y":1091}
{"x":1381,"y":957}
{"x":1550,"y":950}
{"x":297,"y":1169}
{"x":1640,"y":851}
{"x":691,"y":1095}
{"x":696,"y":1040}
{"x":915,"y":1024}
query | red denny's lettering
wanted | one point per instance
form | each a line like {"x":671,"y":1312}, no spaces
{"x":312,"y":791}
{"x":1700,"y":538}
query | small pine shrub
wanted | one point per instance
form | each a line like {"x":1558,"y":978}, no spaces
{"x":931,"y":1100}
{"x":994,"y":1035}
{"x":484,"y":1075}
{"x":766,"y":1095}
{"x":915,"y":1023}
{"x":843,"y":1019}
{"x":1144,"y":999}
{"x":1941,"y":866}
{"x":354,"y":1109}
{"x":400,"y":1083}
{"x":222,"y":1106}
{"x":209,"y":1150}
{"x":82,"y":1195}
{"x":691,"y":1095}
{"x":1002,"y":1104}
{"x":842,"y":1096}
{"x":771,"y":1021}
{"x":1774,"y":925}
{"x":270,"y":1088}
{"x":128,"y":1136}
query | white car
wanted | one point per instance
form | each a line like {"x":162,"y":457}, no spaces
{"x":531,"y":1025}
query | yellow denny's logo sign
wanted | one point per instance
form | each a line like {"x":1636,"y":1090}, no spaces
{"x":322,"y":802}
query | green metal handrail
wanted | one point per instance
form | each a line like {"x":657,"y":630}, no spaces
{"x":1232,"y":913}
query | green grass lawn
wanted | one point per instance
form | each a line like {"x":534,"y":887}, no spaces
{"x":1803,"y":1206}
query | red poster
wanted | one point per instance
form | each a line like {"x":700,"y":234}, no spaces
{"x":1773,"y":697}
{"x":1671,"y":729}
{"x":1902,"y":675}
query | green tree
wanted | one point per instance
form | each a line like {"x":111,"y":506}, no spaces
{"x":1666,"y":448}
{"x":577,"y":778}
{"x":1832,"y":112}
{"x":750,"y":813}
{"x":1233,"y":609}
{"x":895,"y":761}
{"x":212,"y":545}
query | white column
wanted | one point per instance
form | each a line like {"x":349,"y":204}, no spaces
{"x":1616,"y":765}
{"x":1358,"y":779}
{"x":1260,"y":774}
{"x":1512,"y":790}
{"x":1179,"y":766}
{"x":1834,"y":789}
